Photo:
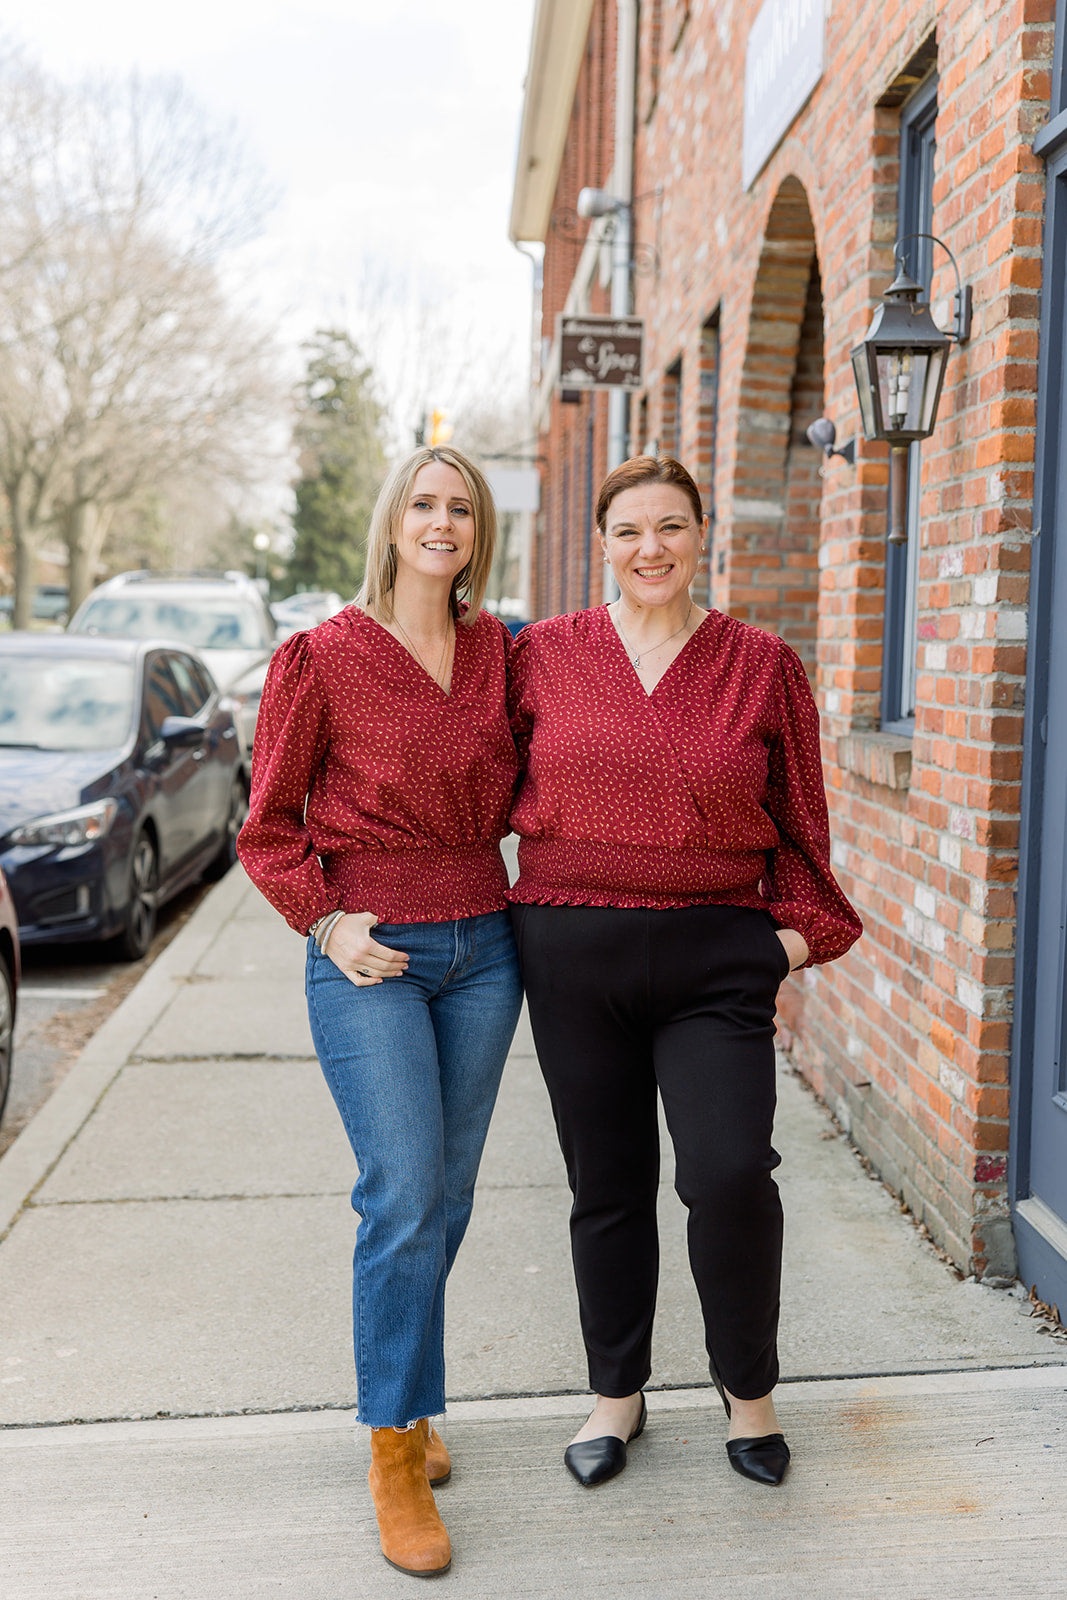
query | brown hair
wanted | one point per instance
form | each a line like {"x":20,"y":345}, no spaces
{"x":380,"y":574}
{"x":646,"y":469}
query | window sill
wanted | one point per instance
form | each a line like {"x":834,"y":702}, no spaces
{"x":880,"y":758}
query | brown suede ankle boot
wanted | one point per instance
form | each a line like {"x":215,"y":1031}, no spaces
{"x":438,"y":1460}
{"x":413,"y":1536}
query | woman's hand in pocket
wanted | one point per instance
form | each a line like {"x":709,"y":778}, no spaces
{"x":361,"y":958}
{"x":796,"y":947}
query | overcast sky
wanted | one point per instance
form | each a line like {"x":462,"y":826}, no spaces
{"x":389,"y":127}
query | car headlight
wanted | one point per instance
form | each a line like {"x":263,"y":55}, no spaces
{"x":80,"y":826}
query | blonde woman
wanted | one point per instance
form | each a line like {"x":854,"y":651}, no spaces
{"x":383,"y":772}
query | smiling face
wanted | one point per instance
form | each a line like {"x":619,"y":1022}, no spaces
{"x":652,"y":541}
{"x":436,"y":534}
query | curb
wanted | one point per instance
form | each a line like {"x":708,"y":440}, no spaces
{"x":29,"y":1160}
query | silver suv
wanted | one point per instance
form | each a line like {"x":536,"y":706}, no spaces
{"x":222,"y":615}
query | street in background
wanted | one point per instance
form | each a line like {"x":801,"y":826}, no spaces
{"x":222,"y":615}
{"x":122,"y":780}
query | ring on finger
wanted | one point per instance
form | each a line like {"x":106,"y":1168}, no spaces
{"x":363,"y":972}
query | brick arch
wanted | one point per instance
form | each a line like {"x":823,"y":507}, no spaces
{"x":772,"y":542}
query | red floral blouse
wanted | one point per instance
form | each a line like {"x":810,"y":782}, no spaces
{"x":709,"y":790}
{"x":373,"y":789}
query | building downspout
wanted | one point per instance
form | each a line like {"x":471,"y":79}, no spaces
{"x":622,"y":186}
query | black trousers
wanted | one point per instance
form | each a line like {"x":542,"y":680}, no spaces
{"x":623,"y":1002}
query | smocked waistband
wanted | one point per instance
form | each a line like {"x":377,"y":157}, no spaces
{"x":577,"y":871}
{"x":431,"y":883}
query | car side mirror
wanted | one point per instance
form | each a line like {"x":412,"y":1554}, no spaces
{"x":181,"y":733}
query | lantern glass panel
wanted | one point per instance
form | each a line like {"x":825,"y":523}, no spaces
{"x":863,"y":390}
{"x":931,"y":389}
{"x":902,"y":383}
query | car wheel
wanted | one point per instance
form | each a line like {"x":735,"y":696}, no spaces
{"x":7,"y":1028}
{"x":235,"y":819}
{"x":143,"y":902}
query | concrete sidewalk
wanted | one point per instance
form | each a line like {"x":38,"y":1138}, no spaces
{"x":178,"y":1245}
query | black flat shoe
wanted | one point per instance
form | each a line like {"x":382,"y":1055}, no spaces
{"x":594,"y":1461}
{"x":764,"y":1460}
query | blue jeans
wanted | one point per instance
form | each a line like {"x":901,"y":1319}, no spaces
{"x":414,"y":1066}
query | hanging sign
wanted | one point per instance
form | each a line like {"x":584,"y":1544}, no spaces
{"x":599,"y":352}
{"x":783,"y":63}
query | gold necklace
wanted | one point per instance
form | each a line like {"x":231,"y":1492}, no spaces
{"x":636,"y":659}
{"x":436,"y":676}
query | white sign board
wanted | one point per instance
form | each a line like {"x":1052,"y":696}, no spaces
{"x":516,"y":488}
{"x":783,"y":63}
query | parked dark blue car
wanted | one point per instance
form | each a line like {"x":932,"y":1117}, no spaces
{"x":121,"y":781}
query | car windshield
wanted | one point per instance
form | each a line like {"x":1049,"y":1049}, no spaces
{"x":68,"y":703}
{"x":209,"y":623}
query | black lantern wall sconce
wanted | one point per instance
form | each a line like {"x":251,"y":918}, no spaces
{"x":899,"y":368}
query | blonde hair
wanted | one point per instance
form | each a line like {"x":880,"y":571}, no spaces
{"x":380,"y":574}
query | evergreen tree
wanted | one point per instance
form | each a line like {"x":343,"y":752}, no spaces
{"x":342,"y":461}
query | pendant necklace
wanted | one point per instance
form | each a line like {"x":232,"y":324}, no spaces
{"x":436,"y":676}
{"x":636,"y":659}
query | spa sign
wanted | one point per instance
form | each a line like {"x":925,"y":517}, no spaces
{"x":783,"y":63}
{"x":599,"y":352}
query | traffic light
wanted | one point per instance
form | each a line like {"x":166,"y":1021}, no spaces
{"x":440,"y":430}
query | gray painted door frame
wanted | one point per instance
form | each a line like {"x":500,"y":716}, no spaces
{"x":1038,"y":1148}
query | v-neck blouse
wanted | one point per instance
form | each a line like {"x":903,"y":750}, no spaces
{"x":708,"y":790}
{"x":373,"y":789}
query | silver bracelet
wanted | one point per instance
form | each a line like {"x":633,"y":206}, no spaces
{"x":326,"y":927}
{"x":320,"y":930}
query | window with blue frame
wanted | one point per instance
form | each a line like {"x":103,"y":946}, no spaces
{"x":915,"y":213}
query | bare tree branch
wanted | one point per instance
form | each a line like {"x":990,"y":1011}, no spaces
{"x":122,"y":362}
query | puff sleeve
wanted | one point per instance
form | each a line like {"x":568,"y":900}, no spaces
{"x":292,"y":732}
{"x":804,"y":893}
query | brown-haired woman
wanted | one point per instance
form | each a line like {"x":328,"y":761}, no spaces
{"x":674,"y":867}
{"x":384,"y":769}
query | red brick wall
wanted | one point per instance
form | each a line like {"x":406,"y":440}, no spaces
{"x":798,"y":568}
{"x":670,"y":409}
{"x":908,"y":1036}
{"x":699,"y":418}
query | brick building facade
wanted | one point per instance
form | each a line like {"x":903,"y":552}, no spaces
{"x":923,"y":119}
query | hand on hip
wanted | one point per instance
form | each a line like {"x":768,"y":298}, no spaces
{"x":360,"y":957}
{"x":796,"y":947}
